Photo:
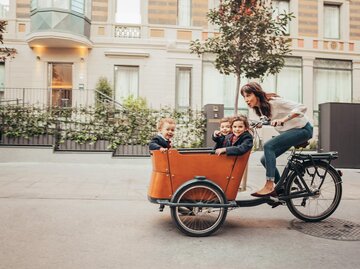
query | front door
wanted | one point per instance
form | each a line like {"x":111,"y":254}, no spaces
{"x":60,"y":83}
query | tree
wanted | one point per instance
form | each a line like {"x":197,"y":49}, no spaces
{"x":104,"y":90}
{"x":250,"y":41}
{"x":4,"y":51}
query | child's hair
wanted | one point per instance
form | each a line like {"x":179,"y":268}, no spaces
{"x":225,"y":119}
{"x":240,"y":118}
{"x":161,"y":122}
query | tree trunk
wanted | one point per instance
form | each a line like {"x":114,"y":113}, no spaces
{"x":237,"y":93}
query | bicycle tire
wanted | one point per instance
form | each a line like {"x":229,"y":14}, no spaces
{"x":196,"y":221}
{"x":318,"y":207}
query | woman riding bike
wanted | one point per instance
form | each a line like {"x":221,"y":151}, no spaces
{"x":289,"y":120}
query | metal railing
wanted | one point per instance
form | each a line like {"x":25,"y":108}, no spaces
{"x":124,"y":31}
{"x":55,"y":97}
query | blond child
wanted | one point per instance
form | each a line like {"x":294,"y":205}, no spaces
{"x":162,"y":141}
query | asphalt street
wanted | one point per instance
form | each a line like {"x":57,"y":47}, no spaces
{"x":63,"y":210}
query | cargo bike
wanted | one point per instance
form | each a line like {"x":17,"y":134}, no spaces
{"x":200,"y":187}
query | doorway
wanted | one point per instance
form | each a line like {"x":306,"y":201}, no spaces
{"x":60,"y":84}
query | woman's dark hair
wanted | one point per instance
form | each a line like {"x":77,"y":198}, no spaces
{"x":255,"y":88}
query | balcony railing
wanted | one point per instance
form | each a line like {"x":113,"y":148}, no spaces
{"x":59,"y":97}
{"x":48,"y":97}
{"x":122,"y":31}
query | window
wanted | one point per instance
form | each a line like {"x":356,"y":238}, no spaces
{"x":281,"y":7}
{"x":184,"y":12}
{"x":33,"y":4}
{"x":60,"y":81}
{"x":126,"y":82}
{"x":332,"y":81}
{"x":4,"y":9}
{"x":128,"y":11}
{"x":2,"y":75}
{"x":79,"y":6}
{"x":88,"y":9}
{"x":62,"y":4}
{"x":44,"y":3}
{"x":287,"y":83}
{"x":332,"y":21}
{"x":220,"y":89}
{"x":183,"y":87}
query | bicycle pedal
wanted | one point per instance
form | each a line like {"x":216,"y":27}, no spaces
{"x":276,"y":204}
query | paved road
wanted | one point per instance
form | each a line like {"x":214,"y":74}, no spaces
{"x":59,"y":212}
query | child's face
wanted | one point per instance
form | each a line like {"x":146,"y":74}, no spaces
{"x":225,"y":128}
{"x":167,"y":130}
{"x":238,"y":128}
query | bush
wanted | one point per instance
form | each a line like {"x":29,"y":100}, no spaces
{"x":104,"y":90}
{"x":135,"y":123}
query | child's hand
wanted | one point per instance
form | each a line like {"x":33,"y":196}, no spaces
{"x":220,"y":151}
{"x":217,"y":133}
{"x":163,"y":149}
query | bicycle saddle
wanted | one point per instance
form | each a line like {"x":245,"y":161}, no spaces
{"x":302,"y":145}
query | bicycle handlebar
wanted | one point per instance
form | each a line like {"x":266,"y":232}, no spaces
{"x":258,"y":123}
{"x":263,"y":121}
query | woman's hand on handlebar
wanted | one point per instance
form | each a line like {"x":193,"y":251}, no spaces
{"x":279,"y":122}
{"x":220,"y":151}
{"x":255,"y":124}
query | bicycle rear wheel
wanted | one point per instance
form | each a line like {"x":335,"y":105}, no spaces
{"x":328,"y":188}
{"x":199,"y":221}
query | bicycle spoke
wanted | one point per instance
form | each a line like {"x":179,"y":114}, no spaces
{"x":199,"y":221}
{"x":326,"y":193}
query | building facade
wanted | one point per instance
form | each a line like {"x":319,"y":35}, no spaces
{"x":142,"y":48}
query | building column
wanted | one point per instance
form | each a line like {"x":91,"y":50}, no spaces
{"x":356,"y":82}
{"x":308,"y":85}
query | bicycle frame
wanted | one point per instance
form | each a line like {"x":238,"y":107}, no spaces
{"x":200,"y":187}
{"x":295,"y":165}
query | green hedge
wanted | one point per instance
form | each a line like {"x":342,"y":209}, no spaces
{"x":135,"y":123}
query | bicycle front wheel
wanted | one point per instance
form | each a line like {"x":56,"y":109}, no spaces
{"x":199,"y":221}
{"x":322,"y":180}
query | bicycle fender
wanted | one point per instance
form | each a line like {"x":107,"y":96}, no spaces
{"x":195,"y":181}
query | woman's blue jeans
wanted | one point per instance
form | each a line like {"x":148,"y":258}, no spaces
{"x":281,"y":143}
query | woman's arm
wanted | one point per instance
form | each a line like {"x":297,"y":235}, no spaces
{"x":289,"y":109}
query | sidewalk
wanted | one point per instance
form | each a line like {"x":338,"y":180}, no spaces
{"x":91,"y":211}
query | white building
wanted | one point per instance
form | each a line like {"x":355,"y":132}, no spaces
{"x":142,"y":47}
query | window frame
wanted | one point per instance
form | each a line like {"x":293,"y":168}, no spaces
{"x":177,"y":69}
{"x":292,"y":65}
{"x":115,"y":81}
{"x":288,"y":30}
{"x":125,"y":22}
{"x":338,"y":6}
{"x":351,"y":69}
{"x":178,"y":14}
{"x":2,"y":76}
{"x":5,"y":13}
{"x":86,"y":6}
